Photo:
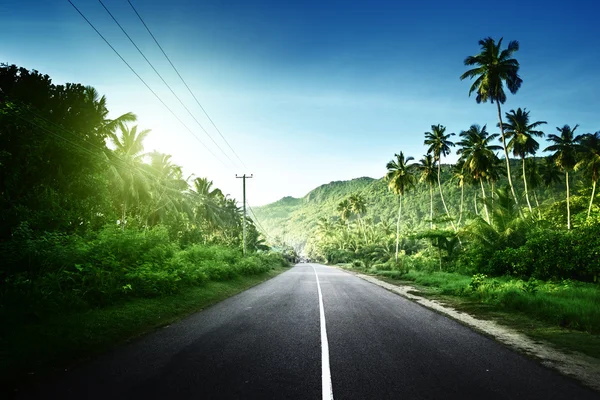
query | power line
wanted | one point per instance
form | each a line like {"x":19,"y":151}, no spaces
{"x":145,"y":84}
{"x":184,"y":82}
{"x":264,"y":231}
{"x":165,"y":82}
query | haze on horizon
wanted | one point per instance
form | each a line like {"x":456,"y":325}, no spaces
{"x":308,"y":93}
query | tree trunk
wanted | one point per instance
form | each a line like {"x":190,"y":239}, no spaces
{"x":592,"y":198}
{"x":442,"y":194}
{"x":526,"y":190}
{"x":487,"y":215}
{"x":512,"y":188}
{"x":462,"y":196}
{"x":475,"y":203}
{"x":492,"y":186}
{"x":537,"y":204}
{"x":123,"y":216}
{"x":398,"y":227}
{"x":568,"y":202}
{"x":430,"y":206}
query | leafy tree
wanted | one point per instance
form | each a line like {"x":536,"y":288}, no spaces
{"x":400,"y":178}
{"x":442,"y":240}
{"x":565,"y":149}
{"x":520,"y":134}
{"x":590,"y":161}
{"x":427,"y":168}
{"x":477,"y":155}
{"x":439,"y":145}
{"x":495,"y":68}
{"x":62,"y":185}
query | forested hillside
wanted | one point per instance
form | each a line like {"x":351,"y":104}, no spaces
{"x":296,"y":220}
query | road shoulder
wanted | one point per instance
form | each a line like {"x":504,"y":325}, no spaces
{"x":581,"y":367}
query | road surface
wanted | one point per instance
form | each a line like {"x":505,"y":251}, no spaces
{"x":314,"y":332}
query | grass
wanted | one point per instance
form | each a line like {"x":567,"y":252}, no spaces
{"x":39,"y":348}
{"x":566,"y":314}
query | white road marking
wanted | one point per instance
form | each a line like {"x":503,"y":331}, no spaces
{"x":327,"y":389}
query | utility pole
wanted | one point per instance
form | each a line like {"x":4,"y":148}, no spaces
{"x":243,"y":177}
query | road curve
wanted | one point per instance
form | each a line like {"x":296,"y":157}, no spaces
{"x":266,"y":343}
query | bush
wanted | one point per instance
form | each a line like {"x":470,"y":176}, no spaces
{"x":64,"y":272}
{"x":552,"y":254}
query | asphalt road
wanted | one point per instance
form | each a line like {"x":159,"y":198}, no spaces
{"x":269,"y":343}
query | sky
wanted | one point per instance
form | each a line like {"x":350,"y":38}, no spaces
{"x":309,"y":92}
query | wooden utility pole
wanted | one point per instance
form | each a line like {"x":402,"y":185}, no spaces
{"x":243,"y":177}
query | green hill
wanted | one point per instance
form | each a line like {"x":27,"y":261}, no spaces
{"x":294,"y":220}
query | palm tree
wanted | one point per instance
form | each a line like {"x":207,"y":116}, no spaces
{"x":168,"y":187}
{"x":494,"y":68}
{"x":521,"y":135}
{"x":534,"y":179}
{"x":458,"y":172}
{"x":400,"y":179}
{"x":565,"y":149}
{"x":439,"y":145}
{"x":345,"y":210}
{"x":126,"y":165}
{"x":590,"y":161}
{"x":358,"y":206}
{"x":550,"y":172}
{"x":427,"y":167}
{"x":106,"y":126}
{"x":477,"y":155}
{"x":207,"y":201}
{"x":495,"y":172}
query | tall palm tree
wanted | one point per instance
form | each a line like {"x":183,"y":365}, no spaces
{"x":534,"y":180}
{"x":427,"y":167}
{"x":495,"y":172}
{"x":520,"y":134}
{"x":477,"y":155}
{"x":439,"y":145}
{"x":400,"y":179}
{"x":458,"y":174}
{"x":565,"y":149}
{"x":126,"y":165}
{"x":590,"y":161}
{"x":494,"y":68}
{"x":358,"y":206}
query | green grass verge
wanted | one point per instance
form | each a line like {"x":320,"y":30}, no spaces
{"x":37,"y":349}
{"x":566,"y":314}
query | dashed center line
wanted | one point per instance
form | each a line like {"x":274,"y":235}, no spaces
{"x":327,"y":389}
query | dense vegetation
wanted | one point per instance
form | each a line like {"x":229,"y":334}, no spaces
{"x":89,"y":219}
{"x":524,"y":219}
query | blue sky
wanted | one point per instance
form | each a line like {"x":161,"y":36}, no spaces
{"x":308,"y":92}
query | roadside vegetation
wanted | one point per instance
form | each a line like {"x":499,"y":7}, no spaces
{"x":519,"y":235}
{"x":93,"y":227}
